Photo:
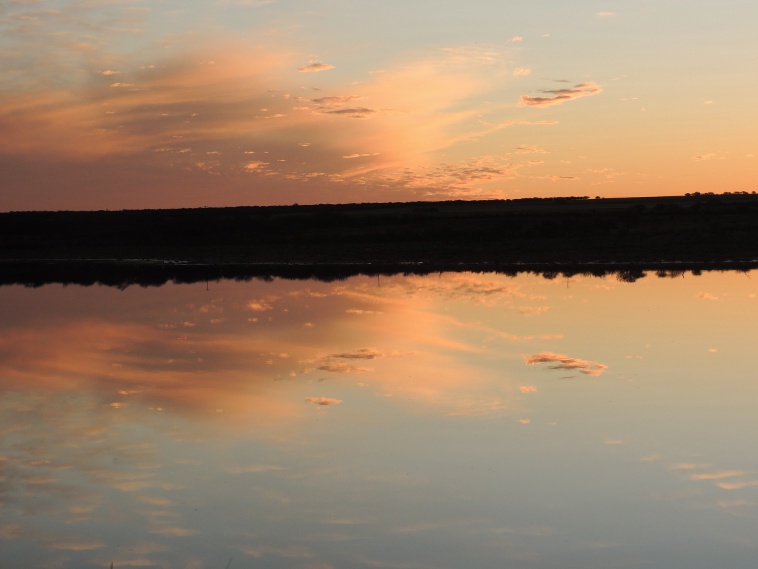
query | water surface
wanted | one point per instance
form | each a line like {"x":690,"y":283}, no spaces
{"x":446,"y":421}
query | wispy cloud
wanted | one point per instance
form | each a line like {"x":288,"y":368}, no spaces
{"x":333,"y":101}
{"x":352,"y":112}
{"x":78,"y":545}
{"x":364,"y":155}
{"x":533,"y":310}
{"x":256,"y":166}
{"x":704,"y":157}
{"x":259,"y":305}
{"x":193,"y":110}
{"x":255,"y":468}
{"x":342,"y":367}
{"x":246,"y":3}
{"x":287,"y":553}
{"x":561,"y":361}
{"x":718,"y":474}
{"x":706,"y":296}
{"x":201,"y":110}
{"x":315,"y":67}
{"x":560,"y":96}
{"x":530,"y":149}
{"x":323,"y":401}
{"x":341,"y":362}
{"x":735,"y":479}
{"x":361,"y":354}
{"x":173,"y":531}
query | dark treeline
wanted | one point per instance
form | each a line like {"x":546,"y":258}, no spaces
{"x":146,"y":274}
{"x":702,"y":228}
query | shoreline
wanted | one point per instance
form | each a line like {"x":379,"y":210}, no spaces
{"x":157,"y":272}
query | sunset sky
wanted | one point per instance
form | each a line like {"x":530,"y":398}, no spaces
{"x":114,"y":104}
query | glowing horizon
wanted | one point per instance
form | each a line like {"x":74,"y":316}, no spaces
{"x":126,"y":104}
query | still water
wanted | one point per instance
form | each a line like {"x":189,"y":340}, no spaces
{"x":451,"y":421}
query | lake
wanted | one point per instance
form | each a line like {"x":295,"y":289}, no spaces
{"x":409,"y":422}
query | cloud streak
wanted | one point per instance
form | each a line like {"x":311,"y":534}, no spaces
{"x":323,"y":401}
{"x":560,"y":96}
{"x":315,"y":67}
{"x":563,"y":362}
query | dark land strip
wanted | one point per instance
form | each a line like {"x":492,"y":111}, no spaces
{"x":155,"y":273}
{"x":555,"y":236}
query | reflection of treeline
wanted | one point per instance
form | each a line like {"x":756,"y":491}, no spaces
{"x":698,"y":228}
{"x":124,"y":274}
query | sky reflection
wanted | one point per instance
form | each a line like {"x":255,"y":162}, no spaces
{"x":440,"y":421}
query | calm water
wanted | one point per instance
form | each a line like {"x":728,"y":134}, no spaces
{"x":444,"y":422}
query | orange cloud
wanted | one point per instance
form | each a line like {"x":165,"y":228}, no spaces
{"x":170,"y":106}
{"x":706,"y":296}
{"x":533,"y":310}
{"x":131,"y":364}
{"x":205,"y":111}
{"x":78,"y":545}
{"x":207,"y":359}
{"x":342,"y":367}
{"x":718,"y":475}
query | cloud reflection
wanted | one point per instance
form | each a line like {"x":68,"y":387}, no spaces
{"x":277,"y":471}
{"x":125,"y":375}
{"x":201,"y":357}
{"x":205,"y":356}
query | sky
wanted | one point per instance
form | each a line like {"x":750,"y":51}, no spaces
{"x":130,"y":104}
